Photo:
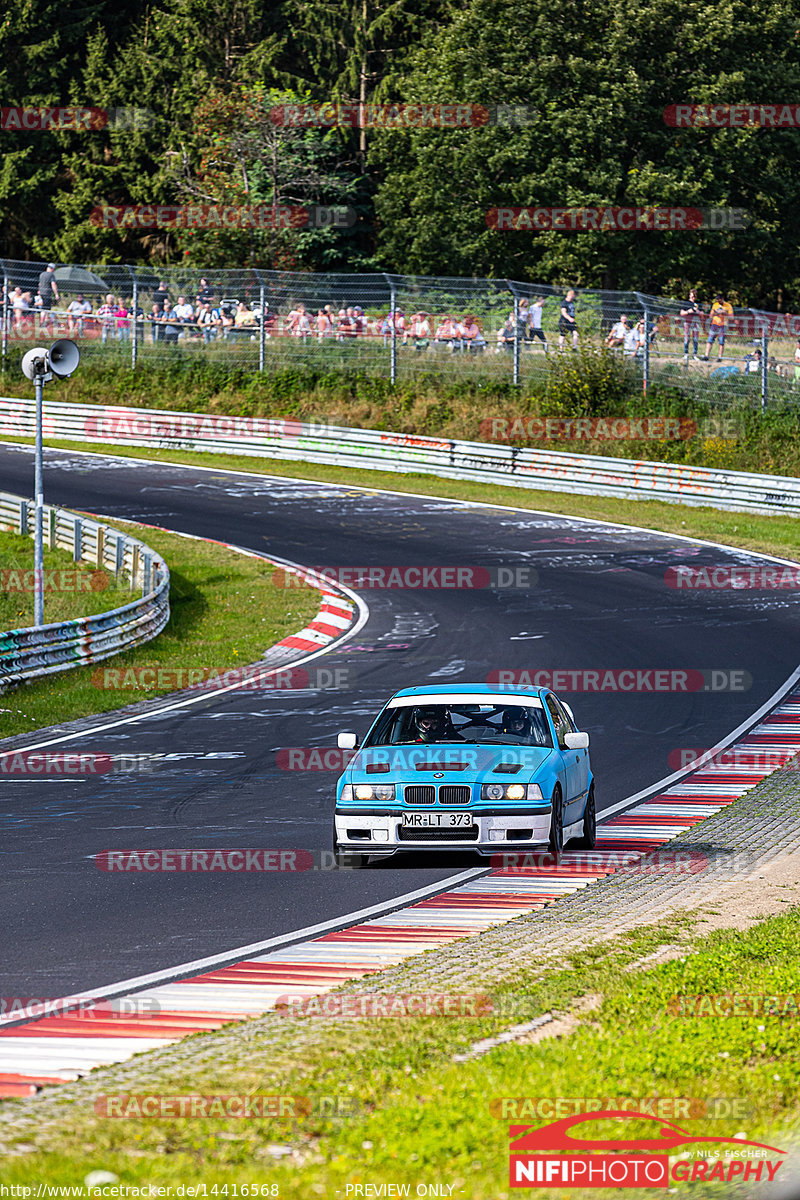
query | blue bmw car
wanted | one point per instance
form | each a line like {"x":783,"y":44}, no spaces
{"x":465,"y":767}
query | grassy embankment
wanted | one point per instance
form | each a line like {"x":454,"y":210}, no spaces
{"x":416,"y":1115}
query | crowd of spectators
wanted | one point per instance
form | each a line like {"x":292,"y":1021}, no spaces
{"x":209,"y":317}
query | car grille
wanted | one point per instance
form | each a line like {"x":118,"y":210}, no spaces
{"x":454,"y":793}
{"x":465,"y":833}
{"x":419,"y":793}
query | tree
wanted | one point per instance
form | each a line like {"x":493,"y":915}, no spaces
{"x":595,"y":80}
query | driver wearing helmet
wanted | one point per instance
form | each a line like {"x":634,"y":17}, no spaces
{"x":434,"y":725}
{"x":516,"y":721}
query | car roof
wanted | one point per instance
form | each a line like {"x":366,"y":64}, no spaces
{"x":472,"y":689}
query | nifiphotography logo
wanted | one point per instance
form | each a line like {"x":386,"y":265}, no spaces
{"x":553,"y":1156}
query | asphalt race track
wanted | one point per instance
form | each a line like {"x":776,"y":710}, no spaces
{"x":601,"y":601}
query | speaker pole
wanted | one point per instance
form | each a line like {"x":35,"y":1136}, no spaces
{"x":38,"y":548}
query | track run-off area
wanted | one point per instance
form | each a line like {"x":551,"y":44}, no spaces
{"x":585,"y":600}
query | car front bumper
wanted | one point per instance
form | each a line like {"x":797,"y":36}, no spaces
{"x":380,"y":832}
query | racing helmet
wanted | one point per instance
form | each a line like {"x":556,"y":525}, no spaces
{"x":429,"y":721}
{"x":517,"y":721}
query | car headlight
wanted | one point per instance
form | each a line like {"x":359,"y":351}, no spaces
{"x":511,"y":791}
{"x":369,"y":791}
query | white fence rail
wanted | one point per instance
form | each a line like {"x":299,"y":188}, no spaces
{"x":30,"y":653}
{"x":543,"y":470}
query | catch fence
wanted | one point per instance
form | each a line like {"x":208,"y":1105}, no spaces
{"x":400,"y":327}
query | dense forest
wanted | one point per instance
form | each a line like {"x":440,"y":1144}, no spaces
{"x":575,"y":95}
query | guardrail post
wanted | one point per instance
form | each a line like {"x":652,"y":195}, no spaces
{"x":119,"y":555}
{"x":134,"y":564}
{"x":77,"y":540}
{"x":52,"y":533}
{"x":5,"y":318}
{"x":646,"y":361}
{"x":23,"y":517}
{"x":147,"y":574}
{"x":764,"y":369}
{"x":100,"y":548}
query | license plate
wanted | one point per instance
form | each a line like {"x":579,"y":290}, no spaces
{"x":432,"y":820}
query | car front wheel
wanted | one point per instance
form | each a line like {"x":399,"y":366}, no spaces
{"x":556,"y":840}
{"x":588,"y":839}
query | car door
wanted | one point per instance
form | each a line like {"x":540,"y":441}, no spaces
{"x":576,"y":762}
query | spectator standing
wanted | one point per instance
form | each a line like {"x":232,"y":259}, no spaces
{"x":48,"y":290}
{"x":155,"y":323}
{"x":566,"y":322}
{"x":121,"y":322}
{"x":535,"y":322}
{"x":161,"y":294}
{"x":204,"y":292}
{"x":20,"y":306}
{"x":171,"y":326}
{"x":691,"y":312}
{"x":107,"y":317}
{"x":721,"y":310}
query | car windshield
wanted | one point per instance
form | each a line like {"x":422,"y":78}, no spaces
{"x":460,"y":724}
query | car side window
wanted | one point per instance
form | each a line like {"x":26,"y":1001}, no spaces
{"x":561,"y":722}
{"x":567,"y":716}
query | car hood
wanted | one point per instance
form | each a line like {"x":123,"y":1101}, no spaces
{"x":447,"y":763}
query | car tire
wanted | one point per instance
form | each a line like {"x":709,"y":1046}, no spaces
{"x":588,"y":839}
{"x":347,"y":860}
{"x":555,"y":842}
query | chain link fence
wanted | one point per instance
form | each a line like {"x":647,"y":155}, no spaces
{"x":399,"y":326}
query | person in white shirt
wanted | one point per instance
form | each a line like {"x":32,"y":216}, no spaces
{"x":76,"y":311}
{"x":634,"y":339}
{"x":618,"y":332}
{"x":535,"y":322}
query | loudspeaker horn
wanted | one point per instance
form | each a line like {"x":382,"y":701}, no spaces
{"x":64,"y":357}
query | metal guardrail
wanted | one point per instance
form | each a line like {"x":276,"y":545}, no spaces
{"x":30,"y":653}
{"x":373,"y":449}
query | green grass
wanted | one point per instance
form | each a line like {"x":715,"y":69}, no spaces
{"x":225,"y":612}
{"x":419,"y":1116}
{"x":71,"y":589}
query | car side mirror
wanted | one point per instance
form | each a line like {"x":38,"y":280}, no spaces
{"x":347,"y":741}
{"x":576,"y":741}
